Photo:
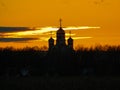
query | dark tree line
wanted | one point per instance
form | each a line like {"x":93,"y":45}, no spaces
{"x":101,"y":60}
{"x":98,"y":61}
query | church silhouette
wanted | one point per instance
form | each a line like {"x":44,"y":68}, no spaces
{"x":60,"y":40}
{"x":60,"y":56}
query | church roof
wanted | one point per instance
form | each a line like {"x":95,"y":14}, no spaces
{"x":51,"y":39}
{"x":70,"y":39}
{"x":60,"y":30}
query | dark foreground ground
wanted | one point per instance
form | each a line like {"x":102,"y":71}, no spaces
{"x":60,"y":83}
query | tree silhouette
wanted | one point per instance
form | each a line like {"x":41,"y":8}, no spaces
{"x":97,"y":61}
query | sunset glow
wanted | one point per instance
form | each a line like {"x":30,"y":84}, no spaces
{"x":91,"y":22}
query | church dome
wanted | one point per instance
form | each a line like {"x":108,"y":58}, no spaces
{"x":60,"y":30}
{"x":70,"y":39}
{"x":51,"y":39}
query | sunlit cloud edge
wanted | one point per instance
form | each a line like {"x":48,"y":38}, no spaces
{"x":42,"y":30}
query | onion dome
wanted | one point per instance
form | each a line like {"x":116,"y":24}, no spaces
{"x":51,"y":40}
{"x":70,"y":39}
{"x":60,"y":31}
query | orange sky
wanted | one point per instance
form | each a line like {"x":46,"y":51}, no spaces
{"x":43,"y":13}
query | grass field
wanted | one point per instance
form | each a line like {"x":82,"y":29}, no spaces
{"x":60,"y":83}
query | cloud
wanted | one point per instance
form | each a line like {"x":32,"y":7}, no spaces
{"x":16,"y":39}
{"x":80,"y":27}
{"x":49,"y":29}
{"x":17,"y":34}
{"x":22,"y":31}
{"x":78,"y":38}
{"x":13,"y":29}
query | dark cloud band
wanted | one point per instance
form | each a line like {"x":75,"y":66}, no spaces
{"x":16,"y":39}
{"x":13,"y":29}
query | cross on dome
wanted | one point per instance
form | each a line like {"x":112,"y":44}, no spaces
{"x":60,"y":22}
{"x":51,"y":33}
{"x":70,"y":33}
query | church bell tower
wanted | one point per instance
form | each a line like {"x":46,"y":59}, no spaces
{"x":60,"y":36}
{"x":51,"y":42}
{"x":70,"y":42}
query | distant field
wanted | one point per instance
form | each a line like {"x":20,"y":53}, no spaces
{"x":61,"y":83}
